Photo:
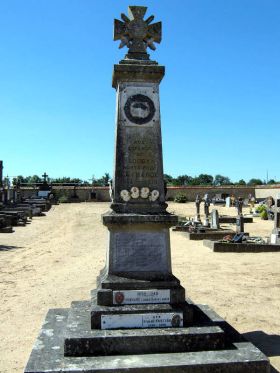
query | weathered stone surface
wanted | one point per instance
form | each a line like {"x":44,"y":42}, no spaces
{"x":113,"y":282}
{"x":139,"y":245}
{"x":240,"y":247}
{"x":208,"y":234}
{"x":138,"y":185}
{"x":125,"y":219}
{"x":81,"y":340}
{"x":240,"y":357}
{"x":136,"y":33}
{"x":232,"y":219}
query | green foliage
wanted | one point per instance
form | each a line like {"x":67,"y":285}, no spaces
{"x":66,"y":180}
{"x":222,"y":180}
{"x":63,"y":199}
{"x":180,"y":198}
{"x":262,"y":210}
{"x":168,"y":178}
{"x":264,"y":215}
{"x":255,"y":182}
{"x":241,"y":182}
{"x":203,"y":179}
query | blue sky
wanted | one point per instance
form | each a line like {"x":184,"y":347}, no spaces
{"x":219,"y":99}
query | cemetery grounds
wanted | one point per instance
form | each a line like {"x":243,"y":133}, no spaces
{"x":56,"y":259}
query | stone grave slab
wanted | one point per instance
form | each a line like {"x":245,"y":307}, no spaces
{"x":240,"y":247}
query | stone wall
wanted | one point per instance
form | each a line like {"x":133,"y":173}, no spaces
{"x":191,"y":191}
{"x":264,"y":191}
{"x":101,"y":194}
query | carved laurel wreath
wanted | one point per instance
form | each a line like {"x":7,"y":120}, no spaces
{"x":142,"y":193}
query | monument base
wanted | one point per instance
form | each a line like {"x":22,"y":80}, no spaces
{"x":211,"y":234}
{"x":227,"y":219}
{"x":211,"y":345}
{"x":8,"y":229}
{"x":240,"y":247}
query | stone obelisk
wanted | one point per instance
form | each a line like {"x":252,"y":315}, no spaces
{"x":137,"y":319}
{"x":139,"y":224}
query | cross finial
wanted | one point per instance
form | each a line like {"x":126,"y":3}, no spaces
{"x":136,"y":33}
{"x":45,"y":177}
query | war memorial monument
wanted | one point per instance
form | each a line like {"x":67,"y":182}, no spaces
{"x":138,"y":319}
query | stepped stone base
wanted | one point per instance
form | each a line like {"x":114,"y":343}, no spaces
{"x":240,"y":247}
{"x":6,"y":230}
{"x":232,"y":219}
{"x":208,"y":234}
{"x":211,"y":345}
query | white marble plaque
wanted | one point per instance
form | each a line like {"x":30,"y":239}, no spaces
{"x":142,"y":320}
{"x":43,"y":193}
{"x":141,"y":296}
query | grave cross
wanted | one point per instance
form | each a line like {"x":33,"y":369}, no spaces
{"x":136,"y":33}
{"x":45,"y":176}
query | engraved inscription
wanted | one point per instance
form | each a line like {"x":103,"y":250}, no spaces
{"x":141,"y":296}
{"x":141,"y":162}
{"x":139,"y":251}
{"x":144,"y":320}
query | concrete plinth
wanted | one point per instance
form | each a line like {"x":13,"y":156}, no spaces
{"x":232,"y":219}
{"x":240,"y":247}
{"x":210,"y":346}
{"x":211,"y":234}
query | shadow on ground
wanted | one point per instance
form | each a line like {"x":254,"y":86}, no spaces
{"x":268,"y":344}
{"x":8,"y":248}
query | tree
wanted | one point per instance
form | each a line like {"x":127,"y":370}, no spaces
{"x":104,"y":181}
{"x":271,"y":181}
{"x":168,"y":178}
{"x":255,"y":182}
{"x":241,"y":182}
{"x":222,"y":180}
{"x":204,"y":179}
{"x":182,"y":180}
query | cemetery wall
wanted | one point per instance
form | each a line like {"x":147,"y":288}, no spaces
{"x":264,"y":191}
{"x":101,"y":194}
{"x":191,"y":191}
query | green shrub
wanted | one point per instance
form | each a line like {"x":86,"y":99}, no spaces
{"x":264,"y":215}
{"x":180,"y":198}
{"x":261,"y":208}
{"x":63,"y":199}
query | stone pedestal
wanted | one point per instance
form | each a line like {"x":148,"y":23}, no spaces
{"x":138,"y":319}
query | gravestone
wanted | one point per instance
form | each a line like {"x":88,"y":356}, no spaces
{"x":138,"y":310}
{"x":228,"y":202}
{"x":275,"y":236}
{"x":215,"y":219}
{"x":239,"y":224}
{"x":197,"y":206}
{"x":207,"y":202}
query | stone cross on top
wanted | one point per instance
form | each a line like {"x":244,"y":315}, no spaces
{"x":136,"y":33}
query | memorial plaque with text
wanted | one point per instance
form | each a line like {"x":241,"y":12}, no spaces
{"x":141,"y":296}
{"x":144,"y":320}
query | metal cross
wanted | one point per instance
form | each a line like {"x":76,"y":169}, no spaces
{"x":45,"y":177}
{"x":136,"y":33}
